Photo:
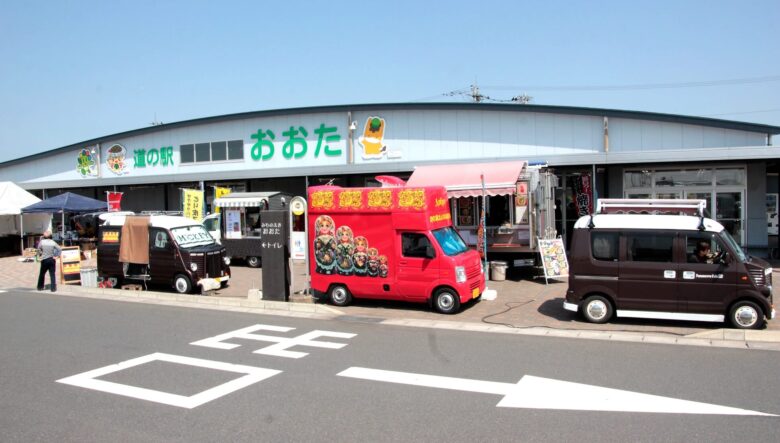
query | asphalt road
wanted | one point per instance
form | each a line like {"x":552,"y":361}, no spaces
{"x":46,"y":338}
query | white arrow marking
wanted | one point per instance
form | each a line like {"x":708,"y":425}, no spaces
{"x":545,"y":393}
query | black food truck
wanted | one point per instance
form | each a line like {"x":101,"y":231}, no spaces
{"x":161,"y":249}
{"x":237,"y":224}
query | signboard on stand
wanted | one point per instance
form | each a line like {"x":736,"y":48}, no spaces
{"x":554,"y":259}
{"x":70,"y":265}
{"x":276,"y":266}
{"x":232,"y":223}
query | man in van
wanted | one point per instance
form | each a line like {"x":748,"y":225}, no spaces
{"x":703,"y":254}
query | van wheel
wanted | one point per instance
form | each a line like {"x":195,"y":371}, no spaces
{"x":746,"y":315}
{"x":340,"y":296}
{"x":253,"y":262}
{"x":597,"y":309}
{"x":446,"y":301}
{"x":182,"y":284}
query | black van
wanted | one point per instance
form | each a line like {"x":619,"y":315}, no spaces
{"x":161,"y":249}
{"x":675,"y":267}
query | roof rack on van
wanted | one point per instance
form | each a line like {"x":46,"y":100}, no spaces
{"x":162,"y":212}
{"x":651,"y":206}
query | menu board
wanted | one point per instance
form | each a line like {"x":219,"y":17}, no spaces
{"x":70,"y":265}
{"x":553,"y":258}
{"x":232,"y":223}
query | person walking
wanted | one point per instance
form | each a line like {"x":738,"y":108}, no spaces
{"x":48,"y":251}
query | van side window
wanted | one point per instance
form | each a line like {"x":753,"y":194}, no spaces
{"x":650,"y":247}
{"x":604,"y":245}
{"x":414,"y":245}
{"x":701,"y":248}
{"x":161,"y":239}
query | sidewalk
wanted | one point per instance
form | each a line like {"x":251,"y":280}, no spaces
{"x":524,"y":306}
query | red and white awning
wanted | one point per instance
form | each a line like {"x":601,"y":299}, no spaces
{"x":465,"y":180}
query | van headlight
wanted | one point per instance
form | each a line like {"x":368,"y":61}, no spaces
{"x":194,"y":267}
{"x":227,"y":261}
{"x":460,"y":274}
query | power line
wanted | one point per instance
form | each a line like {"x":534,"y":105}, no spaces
{"x":640,"y":86}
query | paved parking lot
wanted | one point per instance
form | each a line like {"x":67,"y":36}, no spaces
{"x":522,"y":302}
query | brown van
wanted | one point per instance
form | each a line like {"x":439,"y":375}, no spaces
{"x":161,"y":249}
{"x":674,"y":267}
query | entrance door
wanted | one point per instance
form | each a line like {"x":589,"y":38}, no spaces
{"x":415,"y":269}
{"x":648,"y":273}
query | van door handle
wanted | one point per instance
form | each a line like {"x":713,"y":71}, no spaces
{"x":402,"y":262}
{"x":670,"y":274}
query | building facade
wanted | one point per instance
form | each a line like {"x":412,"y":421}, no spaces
{"x":608,"y":153}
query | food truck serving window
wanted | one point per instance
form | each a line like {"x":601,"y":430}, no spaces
{"x":190,"y":236}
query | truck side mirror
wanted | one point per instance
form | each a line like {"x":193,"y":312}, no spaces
{"x":429,"y":252}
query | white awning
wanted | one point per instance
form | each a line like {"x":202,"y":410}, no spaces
{"x":244,"y":200}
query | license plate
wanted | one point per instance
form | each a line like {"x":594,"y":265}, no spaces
{"x":475,"y":293}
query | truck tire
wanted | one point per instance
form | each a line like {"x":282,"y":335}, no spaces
{"x":182,"y":284}
{"x":597,"y":309}
{"x":253,"y":262}
{"x":746,"y":315}
{"x":446,"y":301}
{"x":340,"y":296}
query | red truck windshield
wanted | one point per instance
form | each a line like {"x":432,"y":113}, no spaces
{"x":450,"y":241}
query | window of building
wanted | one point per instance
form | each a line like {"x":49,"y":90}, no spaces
{"x":202,"y":152}
{"x":650,"y":247}
{"x":187,"y":153}
{"x":414,"y":245}
{"x":235,"y":149}
{"x":465,"y":211}
{"x":604,"y":245}
{"x":212,"y":152}
{"x":218,"y":151}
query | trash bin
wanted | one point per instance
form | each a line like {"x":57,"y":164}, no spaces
{"x":89,"y":277}
{"x":498,"y":270}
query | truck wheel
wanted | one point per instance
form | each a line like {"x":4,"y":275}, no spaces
{"x":182,"y":284}
{"x":446,"y":301}
{"x":597,"y":309}
{"x":253,"y":262}
{"x":746,"y":315}
{"x":340,"y":296}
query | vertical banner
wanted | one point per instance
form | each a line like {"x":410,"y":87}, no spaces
{"x":219,"y":192}
{"x":114,"y":201}
{"x":192,"y":204}
{"x":521,"y":203}
{"x":583,"y":194}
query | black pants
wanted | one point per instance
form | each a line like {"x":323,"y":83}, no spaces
{"x":49,"y":265}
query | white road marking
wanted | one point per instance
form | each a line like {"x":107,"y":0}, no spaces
{"x":88,"y":380}
{"x":282,"y":344}
{"x":545,"y":393}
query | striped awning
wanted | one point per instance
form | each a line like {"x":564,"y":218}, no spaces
{"x":244,"y":200}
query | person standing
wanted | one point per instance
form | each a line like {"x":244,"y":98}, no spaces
{"x":48,"y":251}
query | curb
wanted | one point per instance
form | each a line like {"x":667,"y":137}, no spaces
{"x":719,"y":338}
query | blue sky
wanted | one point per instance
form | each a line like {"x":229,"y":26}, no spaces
{"x":76,"y":70}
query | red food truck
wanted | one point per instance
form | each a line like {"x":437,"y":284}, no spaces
{"x":389,"y":243}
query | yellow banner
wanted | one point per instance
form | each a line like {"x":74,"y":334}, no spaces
{"x":220,"y":192}
{"x":193,"y":204}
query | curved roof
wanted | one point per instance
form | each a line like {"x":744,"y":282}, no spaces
{"x":548,"y":109}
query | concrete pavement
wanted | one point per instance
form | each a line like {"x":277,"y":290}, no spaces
{"x":524,"y":306}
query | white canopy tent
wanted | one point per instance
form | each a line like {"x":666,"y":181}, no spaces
{"x":12,"y":199}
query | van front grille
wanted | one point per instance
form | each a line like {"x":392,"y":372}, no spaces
{"x":473,"y":272}
{"x":758,"y":276}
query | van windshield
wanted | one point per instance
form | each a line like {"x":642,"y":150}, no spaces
{"x":191,"y":236}
{"x":728,"y":239}
{"x":450,"y":241}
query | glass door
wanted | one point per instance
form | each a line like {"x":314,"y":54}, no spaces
{"x":728,"y":212}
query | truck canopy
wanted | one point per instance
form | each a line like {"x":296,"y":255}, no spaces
{"x":465,"y":180}
{"x":275,"y":201}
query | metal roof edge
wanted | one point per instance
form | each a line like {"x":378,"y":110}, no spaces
{"x":548,"y":109}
